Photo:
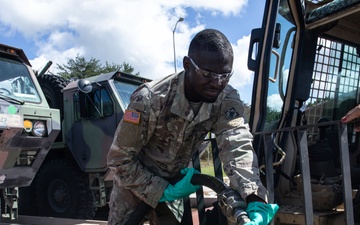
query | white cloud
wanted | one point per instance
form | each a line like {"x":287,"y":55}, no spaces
{"x":138,"y":32}
{"x":242,"y":75}
{"x":274,"y":102}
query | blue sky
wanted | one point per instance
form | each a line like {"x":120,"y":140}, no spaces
{"x":138,"y":32}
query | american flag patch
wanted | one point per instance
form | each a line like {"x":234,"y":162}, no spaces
{"x":132,"y":116}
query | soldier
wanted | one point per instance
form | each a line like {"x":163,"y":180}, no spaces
{"x":164,"y":125}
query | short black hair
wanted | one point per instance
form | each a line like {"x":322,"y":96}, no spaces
{"x":210,"y":40}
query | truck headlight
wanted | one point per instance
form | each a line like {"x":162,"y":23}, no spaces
{"x":39,"y":128}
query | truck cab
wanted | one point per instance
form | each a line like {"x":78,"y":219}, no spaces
{"x":74,"y":180}
{"x":306,"y":65}
{"x":28,"y":126}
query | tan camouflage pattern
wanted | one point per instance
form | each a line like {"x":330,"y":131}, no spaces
{"x":166,"y":138}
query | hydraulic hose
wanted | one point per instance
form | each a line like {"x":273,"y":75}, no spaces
{"x":211,"y":182}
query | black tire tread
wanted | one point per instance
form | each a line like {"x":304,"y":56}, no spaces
{"x":52,"y":87}
{"x":81,"y":208}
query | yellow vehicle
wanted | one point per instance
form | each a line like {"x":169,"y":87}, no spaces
{"x":306,"y":56}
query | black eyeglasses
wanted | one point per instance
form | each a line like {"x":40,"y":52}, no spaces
{"x":208,"y":74}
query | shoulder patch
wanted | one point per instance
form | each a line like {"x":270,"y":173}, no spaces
{"x":131,"y":116}
{"x":231,"y":114}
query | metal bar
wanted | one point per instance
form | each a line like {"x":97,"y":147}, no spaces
{"x":187,"y":217}
{"x":216,"y":159}
{"x":305,"y":168}
{"x":345,"y":169}
{"x":199,"y":193}
{"x":218,"y":174}
{"x":303,"y":127}
{"x":269,"y":145}
{"x":269,"y":166}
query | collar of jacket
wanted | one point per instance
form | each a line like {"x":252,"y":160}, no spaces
{"x":182,"y":108}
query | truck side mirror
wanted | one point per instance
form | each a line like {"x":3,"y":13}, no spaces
{"x":84,"y":86}
{"x":277,"y":39}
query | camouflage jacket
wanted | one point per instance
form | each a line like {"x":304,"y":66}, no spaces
{"x":147,"y":152}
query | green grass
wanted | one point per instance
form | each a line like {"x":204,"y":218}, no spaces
{"x":208,"y":168}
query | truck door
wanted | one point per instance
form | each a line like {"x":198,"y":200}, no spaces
{"x":270,"y":53}
{"x":93,"y":129}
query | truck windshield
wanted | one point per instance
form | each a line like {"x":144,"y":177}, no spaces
{"x":124,"y":91}
{"x":16,"y":82}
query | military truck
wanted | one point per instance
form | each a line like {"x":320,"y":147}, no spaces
{"x":306,"y":57}
{"x":28,"y":126}
{"x":74,"y":180}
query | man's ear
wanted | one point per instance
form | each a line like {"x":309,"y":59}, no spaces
{"x":186,"y":63}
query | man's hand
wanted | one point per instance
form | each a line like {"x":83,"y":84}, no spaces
{"x":351,"y":116}
{"x":181,"y":189}
{"x":261,"y":213}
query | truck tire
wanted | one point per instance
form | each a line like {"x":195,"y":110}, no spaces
{"x":62,"y":190}
{"x":52,"y":87}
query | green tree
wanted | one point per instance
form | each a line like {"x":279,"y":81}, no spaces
{"x":79,"y":68}
{"x":272,"y":115}
{"x":125,"y":67}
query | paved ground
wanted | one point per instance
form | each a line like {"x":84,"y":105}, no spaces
{"x":31,"y":220}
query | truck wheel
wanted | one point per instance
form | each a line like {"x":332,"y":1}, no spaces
{"x":62,"y":190}
{"x":52,"y":87}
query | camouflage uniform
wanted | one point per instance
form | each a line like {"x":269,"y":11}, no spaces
{"x":143,"y":156}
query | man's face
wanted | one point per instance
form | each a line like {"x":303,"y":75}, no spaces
{"x":207,"y":75}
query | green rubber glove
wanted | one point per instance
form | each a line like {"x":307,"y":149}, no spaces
{"x":181,"y":189}
{"x":261,"y":213}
